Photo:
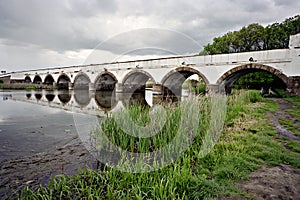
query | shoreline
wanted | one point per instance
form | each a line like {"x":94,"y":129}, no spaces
{"x":39,"y":169}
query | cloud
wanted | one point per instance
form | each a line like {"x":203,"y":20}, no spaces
{"x":37,"y":33}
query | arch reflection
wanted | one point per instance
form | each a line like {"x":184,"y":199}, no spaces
{"x":50,"y":96}
{"x":38,"y":96}
{"x":64,"y":97}
{"x":82,"y":97}
{"x":106,"y":100}
{"x":28,"y":95}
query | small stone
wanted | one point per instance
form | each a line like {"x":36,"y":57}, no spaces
{"x":28,"y":182}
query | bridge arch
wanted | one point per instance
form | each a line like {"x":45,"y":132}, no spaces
{"x":63,"y":81}
{"x":37,"y":79}
{"x":136,"y":80}
{"x":172,"y":82}
{"x":49,"y":80}
{"x":183,"y":72}
{"x":228,"y":79}
{"x":27,"y":79}
{"x":82,"y":81}
{"x":105,"y":81}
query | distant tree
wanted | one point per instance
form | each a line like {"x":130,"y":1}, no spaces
{"x":255,"y":37}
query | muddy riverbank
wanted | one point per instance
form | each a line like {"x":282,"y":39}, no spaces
{"x":17,"y":173}
{"x":36,"y":142}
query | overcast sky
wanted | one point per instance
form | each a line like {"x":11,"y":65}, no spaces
{"x":39,"y":34}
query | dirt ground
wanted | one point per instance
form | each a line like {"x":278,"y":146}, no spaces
{"x":281,"y":182}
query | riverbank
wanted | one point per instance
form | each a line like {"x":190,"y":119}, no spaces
{"x":39,"y":169}
{"x":17,"y":86}
{"x":249,"y":145}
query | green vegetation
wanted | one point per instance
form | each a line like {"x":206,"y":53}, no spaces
{"x":255,"y":37}
{"x":16,"y":86}
{"x":294,"y":111}
{"x":248,"y":142}
{"x":256,"y":80}
{"x":31,"y":87}
{"x":290,"y":125}
{"x":295,"y":101}
{"x":294,"y":146}
{"x":198,"y":86}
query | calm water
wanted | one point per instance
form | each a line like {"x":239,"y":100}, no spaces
{"x":37,"y":121}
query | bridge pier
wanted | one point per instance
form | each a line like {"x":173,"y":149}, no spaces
{"x":157,"y":89}
{"x":70,"y":85}
{"x":92,"y":87}
{"x":119,"y":87}
{"x":293,"y":86}
{"x":214,"y":88}
{"x":157,"y":93}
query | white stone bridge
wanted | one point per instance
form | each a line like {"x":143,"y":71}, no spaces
{"x":168,"y":74}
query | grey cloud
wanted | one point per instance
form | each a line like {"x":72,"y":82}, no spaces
{"x":287,"y":3}
{"x":140,"y":40}
{"x":90,"y":8}
{"x":56,"y":25}
{"x":72,"y":25}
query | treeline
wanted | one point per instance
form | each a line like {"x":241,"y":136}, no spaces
{"x":257,"y":80}
{"x":255,"y":37}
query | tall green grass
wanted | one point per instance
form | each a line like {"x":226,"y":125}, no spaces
{"x":247,"y":142}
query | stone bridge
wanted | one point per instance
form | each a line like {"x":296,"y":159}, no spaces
{"x":219,"y":72}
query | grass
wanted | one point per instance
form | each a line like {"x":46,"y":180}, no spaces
{"x":289,"y":124}
{"x":247,"y":142}
{"x":20,"y":86}
{"x":295,"y":101}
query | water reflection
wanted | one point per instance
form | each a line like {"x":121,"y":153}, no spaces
{"x":28,"y":95}
{"x":82,"y":97}
{"x":106,"y":100}
{"x":38,"y":96}
{"x":64,"y":97}
{"x":86,"y":101}
{"x":50,"y":97}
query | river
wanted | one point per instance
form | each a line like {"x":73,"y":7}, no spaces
{"x":33,"y":122}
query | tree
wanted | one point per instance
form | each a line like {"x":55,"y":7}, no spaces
{"x":255,"y":37}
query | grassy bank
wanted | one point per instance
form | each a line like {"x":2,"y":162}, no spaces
{"x":26,"y":87}
{"x":248,"y":142}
